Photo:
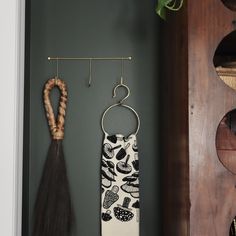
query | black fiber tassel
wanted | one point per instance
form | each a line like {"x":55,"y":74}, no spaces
{"x":53,"y":208}
{"x":53,"y":214}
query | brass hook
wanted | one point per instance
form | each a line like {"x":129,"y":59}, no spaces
{"x":121,"y":85}
{"x":57,"y":69}
{"x":90,"y":72}
{"x":122,"y":72}
{"x":126,"y":87}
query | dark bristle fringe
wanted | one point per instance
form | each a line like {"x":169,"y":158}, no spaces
{"x":53,"y":215}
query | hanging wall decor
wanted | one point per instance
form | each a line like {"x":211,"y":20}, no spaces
{"x":53,"y":214}
{"x":120,"y":180}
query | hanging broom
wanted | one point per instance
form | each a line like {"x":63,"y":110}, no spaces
{"x":53,"y":214}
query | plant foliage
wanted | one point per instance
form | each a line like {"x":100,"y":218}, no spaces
{"x":163,"y":5}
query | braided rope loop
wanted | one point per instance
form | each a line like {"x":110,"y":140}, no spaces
{"x":56,"y":127}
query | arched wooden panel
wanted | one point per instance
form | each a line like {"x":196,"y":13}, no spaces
{"x":199,"y":192}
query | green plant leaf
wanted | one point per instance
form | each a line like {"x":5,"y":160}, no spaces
{"x":161,"y":11}
{"x":162,"y":5}
{"x":175,"y":5}
{"x":161,"y":8}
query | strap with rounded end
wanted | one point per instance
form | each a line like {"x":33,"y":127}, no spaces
{"x":124,"y":105}
{"x":56,"y":127}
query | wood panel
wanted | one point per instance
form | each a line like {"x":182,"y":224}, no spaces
{"x":212,"y":186}
{"x":174,"y":125}
{"x":199,"y":193}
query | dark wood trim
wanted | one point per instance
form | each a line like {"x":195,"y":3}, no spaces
{"x":174,"y":124}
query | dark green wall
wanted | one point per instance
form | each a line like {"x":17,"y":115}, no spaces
{"x":93,"y":28}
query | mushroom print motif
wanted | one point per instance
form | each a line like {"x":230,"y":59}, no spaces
{"x":127,"y":139}
{"x":124,"y":167}
{"x":136,"y":206}
{"x":135,"y":163}
{"x":106,"y":216}
{"x":123,"y":213}
{"x":106,"y":183}
{"x":108,"y":173}
{"x":122,"y":152}
{"x":120,"y":137}
{"x":135,"y":174}
{"x":132,"y":185}
{"x":135,"y":147}
{"x":111,"y":197}
{"x":108,"y":150}
{"x":120,"y":180}
{"x":129,"y":179}
{"x":111,"y":167}
{"x":104,"y":163}
{"x":112,"y":138}
{"x":135,"y":195}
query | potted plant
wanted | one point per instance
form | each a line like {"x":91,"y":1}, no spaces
{"x":163,"y":5}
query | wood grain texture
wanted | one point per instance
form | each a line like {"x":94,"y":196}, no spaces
{"x":174,"y":128}
{"x":212,"y":186}
{"x":199,"y":192}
